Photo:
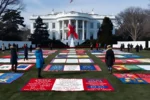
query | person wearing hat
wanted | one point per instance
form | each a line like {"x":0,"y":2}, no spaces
{"x":109,"y":58}
{"x":13,"y":59}
{"x":39,"y":60}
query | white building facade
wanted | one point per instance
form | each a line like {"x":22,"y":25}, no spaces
{"x":86,"y":25}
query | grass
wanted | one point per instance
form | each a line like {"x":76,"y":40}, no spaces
{"x":122,"y":91}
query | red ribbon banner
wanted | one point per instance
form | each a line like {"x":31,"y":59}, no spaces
{"x":72,"y":31}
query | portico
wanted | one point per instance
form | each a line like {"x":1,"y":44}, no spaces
{"x":81,"y":28}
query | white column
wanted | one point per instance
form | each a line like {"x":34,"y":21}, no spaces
{"x":113,"y":30}
{"x":77,"y":27}
{"x":87,"y":30}
{"x":95,"y":28}
{"x":58,"y":37}
{"x":32,"y":28}
{"x":83,"y":30}
{"x":70,"y":22}
{"x":49,"y":30}
{"x":63,"y":34}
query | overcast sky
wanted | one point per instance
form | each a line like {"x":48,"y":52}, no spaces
{"x":104,"y":7}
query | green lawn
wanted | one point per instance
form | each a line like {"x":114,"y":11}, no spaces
{"x":122,"y":91}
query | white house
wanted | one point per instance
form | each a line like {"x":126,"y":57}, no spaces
{"x":86,"y":24}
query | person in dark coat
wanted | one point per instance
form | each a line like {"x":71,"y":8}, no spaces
{"x":9,"y":46}
{"x":3,"y":47}
{"x":109,"y":58}
{"x":14,"y":45}
{"x":141,"y":47}
{"x":129,"y":47}
{"x":137,"y":48}
{"x":123,"y":47}
{"x":39,"y":60}
{"x":13,"y":59}
{"x":26,"y":52}
{"x":30,"y":48}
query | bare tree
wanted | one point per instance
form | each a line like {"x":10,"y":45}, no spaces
{"x":131,"y":22}
{"x":147,"y":24}
{"x":10,"y":4}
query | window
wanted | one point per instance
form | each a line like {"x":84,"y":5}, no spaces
{"x":92,"y":25}
{"x":53,"y":25}
{"x":91,"y":35}
{"x":80,"y":24}
{"x":98,"y":25}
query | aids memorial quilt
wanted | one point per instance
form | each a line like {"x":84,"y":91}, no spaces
{"x":68,"y":85}
{"x":129,"y":78}
{"x":72,"y":68}
{"x":21,"y":67}
{"x":131,"y":67}
{"x":7,"y":78}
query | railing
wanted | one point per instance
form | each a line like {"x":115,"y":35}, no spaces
{"x":60,"y":15}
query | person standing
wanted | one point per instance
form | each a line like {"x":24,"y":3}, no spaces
{"x":129,"y":47}
{"x":14,"y":45}
{"x":109,"y":58}
{"x":121,"y":47}
{"x":9,"y":46}
{"x":39,"y":60}
{"x":31,"y":48}
{"x":97,"y":46}
{"x":141,"y":47}
{"x":24,"y":45}
{"x":137,"y":48}
{"x":13,"y":59}
{"x":26,"y":52}
{"x":3,"y":48}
